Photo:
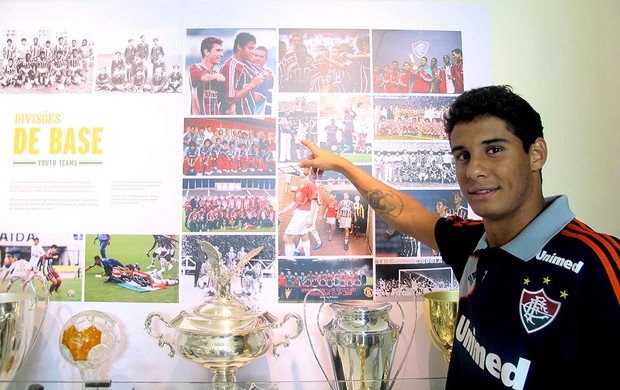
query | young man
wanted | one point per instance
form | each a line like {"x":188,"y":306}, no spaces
{"x":346,"y":217}
{"x":205,"y":80}
{"x":164,"y":247}
{"x":131,"y":274}
{"x":106,"y":264}
{"x":36,"y":251}
{"x":264,"y":93}
{"x":46,"y":262}
{"x":242,"y":78}
{"x":18,"y":269}
{"x":538,"y":287}
{"x":304,"y":206}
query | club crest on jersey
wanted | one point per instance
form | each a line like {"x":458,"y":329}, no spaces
{"x":537,"y":309}
{"x":420,"y":48}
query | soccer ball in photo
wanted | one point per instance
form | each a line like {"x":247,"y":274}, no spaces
{"x":334,"y":148}
{"x":70,"y":293}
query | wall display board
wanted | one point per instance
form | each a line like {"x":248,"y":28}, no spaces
{"x":133,"y":130}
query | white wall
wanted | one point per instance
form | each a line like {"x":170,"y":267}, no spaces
{"x":562,"y":56}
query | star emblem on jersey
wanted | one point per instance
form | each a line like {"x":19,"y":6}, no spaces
{"x":420,"y":48}
{"x":537,"y":309}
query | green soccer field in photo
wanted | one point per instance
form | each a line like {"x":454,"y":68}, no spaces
{"x":127,"y":248}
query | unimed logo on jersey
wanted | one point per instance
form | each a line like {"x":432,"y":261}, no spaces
{"x":537,"y":310}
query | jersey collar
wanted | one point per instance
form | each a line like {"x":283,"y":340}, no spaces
{"x":539,"y":232}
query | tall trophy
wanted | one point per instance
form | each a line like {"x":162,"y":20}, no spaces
{"x":20,"y":323}
{"x":361,"y":341}
{"x":440,"y":310}
{"x":223,"y":333}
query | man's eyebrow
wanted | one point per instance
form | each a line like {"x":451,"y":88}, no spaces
{"x":485,"y":142}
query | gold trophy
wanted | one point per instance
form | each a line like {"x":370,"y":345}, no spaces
{"x":224,"y":333}
{"x":440,"y":309}
{"x":20,"y":325}
{"x":362,"y":343}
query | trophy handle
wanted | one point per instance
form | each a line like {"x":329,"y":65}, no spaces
{"x":321,"y":330}
{"x":158,"y":337}
{"x":287,"y":339}
{"x":402,"y":326}
{"x":37,"y":332}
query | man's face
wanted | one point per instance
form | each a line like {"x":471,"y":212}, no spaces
{"x":457,"y":56}
{"x":496,"y":177}
{"x":214,"y":56}
{"x":300,"y":51}
{"x":260,"y":57}
{"x":446,"y":60}
{"x":394,"y":65}
{"x":297,"y":40}
{"x":247,"y":52}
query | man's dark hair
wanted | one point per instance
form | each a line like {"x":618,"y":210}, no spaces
{"x":498,"y":101}
{"x":242,"y":39}
{"x":208,"y":43}
{"x":263,"y":48}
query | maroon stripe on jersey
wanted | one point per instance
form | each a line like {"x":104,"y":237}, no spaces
{"x":603,"y":245}
{"x":459,"y":221}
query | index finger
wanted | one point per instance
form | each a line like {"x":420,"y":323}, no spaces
{"x":310,"y":145}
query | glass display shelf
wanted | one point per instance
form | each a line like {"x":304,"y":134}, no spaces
{"x":398,"y":384}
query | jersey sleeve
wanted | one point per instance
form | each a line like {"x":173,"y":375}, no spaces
{"x":457,"y":238}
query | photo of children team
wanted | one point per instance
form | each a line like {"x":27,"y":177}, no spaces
{"x":139,"y":62}
{"x":231,"y":71}
{"x":324,"y":61}
{"x":405,"y":164}
{"x":46,"y":61}
{"x":410,"y":117}
{"x":220,"y":146}
{"x":338,"y":278}
{"x":228,"y":205}
{"x":417,"y":62}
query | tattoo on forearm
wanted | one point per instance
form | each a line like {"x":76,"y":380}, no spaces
{"x":385,"y":202}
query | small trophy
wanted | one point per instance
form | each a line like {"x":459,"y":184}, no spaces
{"x":440,"y":309}
{"x":87,"y":341}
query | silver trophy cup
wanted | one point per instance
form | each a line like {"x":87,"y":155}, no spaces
{"x":361,"y":341}
{"x":20,"y":325}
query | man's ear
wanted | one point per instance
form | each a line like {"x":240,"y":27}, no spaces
{"x":538,"y":154}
